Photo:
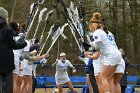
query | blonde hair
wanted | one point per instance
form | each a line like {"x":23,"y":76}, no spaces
{"x":96,"y":16}
{"x":94,"y":22}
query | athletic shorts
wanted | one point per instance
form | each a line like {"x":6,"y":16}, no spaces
{"x":120,"y":67}
{"x":98,"y":65}
{"x":16,"y":62}
{"x":61,"y":80}
{"x":21,"y":73}
{"x":113,"y":59}
{"x":97,"y":70}
{"x":27,"y":72}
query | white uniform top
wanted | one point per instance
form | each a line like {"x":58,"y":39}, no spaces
{"x":61,"y":75}
{"x":61,"y":68}
{"x":121,"y":67}
{"x":18,"y":53}
{"x":28,"y":68}
{"x":112,"y":39}
{"x":111,"y":53}
{"x":106,"y":46}
{"x":98,"y":63}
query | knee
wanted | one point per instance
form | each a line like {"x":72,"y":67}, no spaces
{"x":72,"y":89}
{"x":24,"y":84}
{"x":116,"y":83}
{"x":60,"y":90}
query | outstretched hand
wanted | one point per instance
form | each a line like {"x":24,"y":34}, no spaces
{"x":74,"y":71}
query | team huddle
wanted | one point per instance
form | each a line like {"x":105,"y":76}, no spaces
{"x":103,"y":53}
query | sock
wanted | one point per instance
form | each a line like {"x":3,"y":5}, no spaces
{"x":107,"y":92}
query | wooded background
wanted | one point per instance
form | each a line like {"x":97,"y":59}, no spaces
{"x":123,"y":19}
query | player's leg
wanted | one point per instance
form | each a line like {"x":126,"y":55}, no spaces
{"x":106,"y":73}
{"x":111,"y":83}
{"x":60,"y":88}
{"x":69,"y":84}
{"x":118,"y":75}
{"x":23,"y":86}
{"x":29,"y":82}
{"x":117,"y":78}
{"x":15,"y":77}
{"x":89,"y":83}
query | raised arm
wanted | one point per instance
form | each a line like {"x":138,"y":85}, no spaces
{"x":11,"y":41}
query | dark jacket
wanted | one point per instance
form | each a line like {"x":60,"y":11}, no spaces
{"x":123,"y":81}
{"x":7,"y":44}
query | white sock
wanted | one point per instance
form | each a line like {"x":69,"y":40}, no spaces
{"x":107,"y":92}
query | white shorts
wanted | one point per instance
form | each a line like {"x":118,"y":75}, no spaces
{"x":120,"y":67}
{"x":27,"y":68}
{"x":16,"y":70}
{"x":98,"y":65}
{"x":21,"y":73}
{"x":27,"y":72}
{"x":62,"y":80}
{"x":97,"y":70}
{"x":112,"y":59}
{"x":16,"y":62}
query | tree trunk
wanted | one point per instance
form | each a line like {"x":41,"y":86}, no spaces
{"x":124,"y":25}
{"x":131,"y":30}
{"x":115,"y":18}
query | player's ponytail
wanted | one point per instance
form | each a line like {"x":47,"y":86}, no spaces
{"x":95,"y":22}
{"x":96,"y":16}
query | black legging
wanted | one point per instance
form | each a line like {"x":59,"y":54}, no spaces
{"x":123,"y":88}
{"x":6,"y":83}
{"x":34,"y":84}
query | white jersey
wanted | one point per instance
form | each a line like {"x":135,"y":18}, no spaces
{"x":61,"y":76}
{"x":121,"y":67}
{"x":112,"y":39}
{"x":17,"y":54}
{"x":111,"y":53}
{"x":106,"y":46}
{"x":27,"y":49}
{"x":61,"y":68}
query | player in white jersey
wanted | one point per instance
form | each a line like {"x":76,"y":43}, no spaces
{"x":104,"y":47}
{"x":97,"y":63}
{"x":28,"y":69}
{"x":61,"y":76}
{"x":17,"y":54}
{"x":120,"y":67}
